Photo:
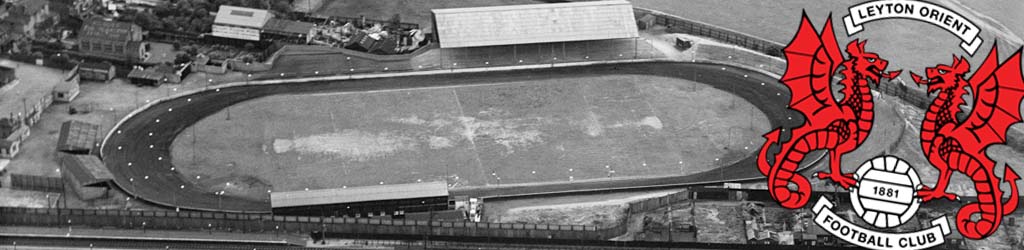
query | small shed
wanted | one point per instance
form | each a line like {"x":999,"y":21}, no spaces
{"x":87,"y":176}
{"x":6,"y":76}
{"x":12,"y":132}
{"x":97,"y":71}
{"x":139,"y":76}
{"x":646,"y":22}
{"x":159,"y":74}
{"x":78,"y":137}
{"x":68,"y":89}
{"x":9,"y":148}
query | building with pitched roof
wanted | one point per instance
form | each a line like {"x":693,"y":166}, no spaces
{"x":110,"y":40}
{"x":78,"y":137}
{"x":97,"y":71}
{"x":86,"y":175}
{"x":240,"y":23}
{"x":66,"y":91}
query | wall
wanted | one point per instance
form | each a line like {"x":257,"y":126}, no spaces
{"x":185,"y":220}
{"x":36,"y":183}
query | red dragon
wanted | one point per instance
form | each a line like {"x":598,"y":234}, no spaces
{"x":954,"y":146}
{"x":839,"y":127}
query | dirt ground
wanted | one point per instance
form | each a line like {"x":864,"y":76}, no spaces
{"x":599,"y":210}
{"x":717,"y":221}
{"x":31,"y":199}
{"x":516,"y":132}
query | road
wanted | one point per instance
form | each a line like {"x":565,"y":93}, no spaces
{"x":138,"y":153}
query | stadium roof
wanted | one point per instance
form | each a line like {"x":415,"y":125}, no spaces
{"x":89,"y":170}
{"x":534,"y":23}
{"x":358,"y":194}
{"x":244,"y":17}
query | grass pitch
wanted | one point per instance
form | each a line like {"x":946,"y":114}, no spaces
{"x":493,"y":134}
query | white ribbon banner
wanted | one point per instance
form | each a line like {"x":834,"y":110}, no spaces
{"x":867,"y":238}
{"x":916,"y":10}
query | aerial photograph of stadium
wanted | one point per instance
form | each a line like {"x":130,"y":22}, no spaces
{"x":511,"y":124}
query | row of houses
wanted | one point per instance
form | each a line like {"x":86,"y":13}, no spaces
{"x":18,"y":19}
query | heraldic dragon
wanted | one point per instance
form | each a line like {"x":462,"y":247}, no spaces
{"x":952,"y":145}
{"x":836,"y":126}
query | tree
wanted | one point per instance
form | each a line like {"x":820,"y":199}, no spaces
{"x":169,"y":23}
{"x":197,"y":25}
{"x":191,"y":50}
{"x":282,"y":7}
{"x":182,"y":58}
{"x":150,"y":21}
{"x":200,"y":13}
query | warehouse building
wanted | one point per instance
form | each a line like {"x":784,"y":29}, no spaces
{"x":240,"y":23}
{"x":368,"y":201}
{"x":111,"y":40}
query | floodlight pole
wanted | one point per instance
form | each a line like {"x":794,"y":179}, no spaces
{"x":63,"y":188}
{"x":194,"y":143}
{"x":515,"y":53}
{"x":563,"y":49}
{"x":668,"y":216}
{"x":635,"y":49}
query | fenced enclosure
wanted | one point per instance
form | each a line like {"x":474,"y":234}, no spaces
{"x":264,"y":223}
{"x":37,"y":183}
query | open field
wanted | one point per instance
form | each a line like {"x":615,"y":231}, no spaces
{"x":514,"y":132}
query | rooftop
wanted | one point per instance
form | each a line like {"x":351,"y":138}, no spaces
{"x":77,"y":136}
{"x":534,"y":23}
{"x":108,"y":30}
{"x":358,"y":194}
{"x":240,"y":16}
{"x":88,"y":169}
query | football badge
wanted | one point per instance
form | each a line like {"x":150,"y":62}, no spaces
{"x":886,"y":192}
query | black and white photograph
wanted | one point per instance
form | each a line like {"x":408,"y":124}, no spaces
{"x":511,"y":124}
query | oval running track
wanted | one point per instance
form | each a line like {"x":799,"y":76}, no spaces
{"x":156,"y":182}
